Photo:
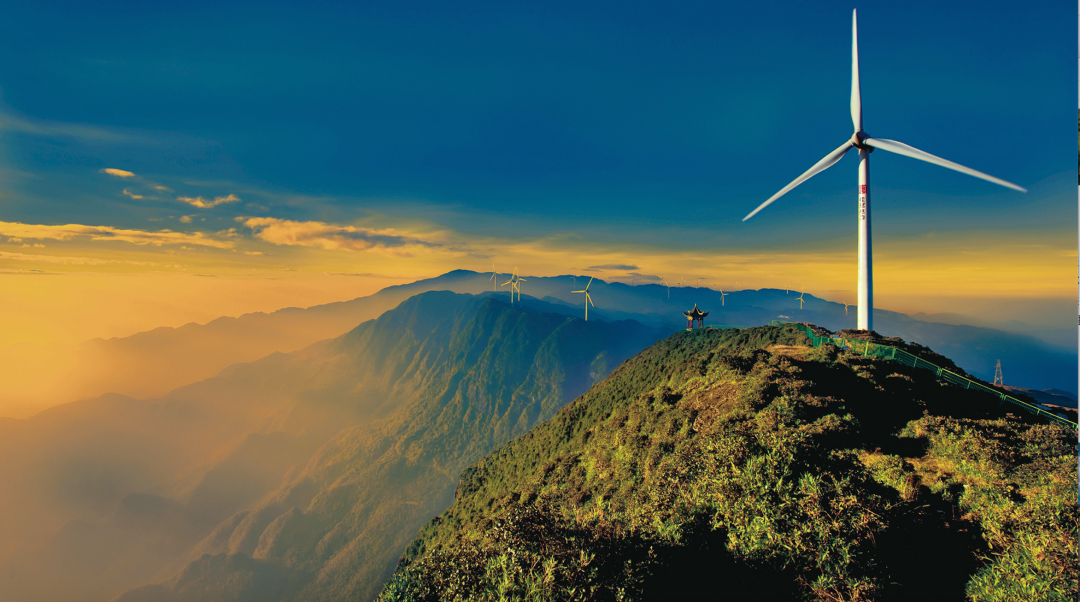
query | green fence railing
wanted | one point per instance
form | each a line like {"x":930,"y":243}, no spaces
{"x":867,"y":349}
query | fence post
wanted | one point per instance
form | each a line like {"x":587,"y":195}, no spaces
{"x":916,"y":364}
{"x":893,"y":353}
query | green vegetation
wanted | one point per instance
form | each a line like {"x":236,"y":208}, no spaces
{"x":746,"y":464}
{"x":444,"y":380}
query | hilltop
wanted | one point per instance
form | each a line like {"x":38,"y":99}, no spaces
{"x":747,"y":464}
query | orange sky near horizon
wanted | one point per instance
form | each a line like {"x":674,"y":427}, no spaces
{"x":73,"y":289}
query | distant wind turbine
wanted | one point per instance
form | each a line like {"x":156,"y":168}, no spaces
{"x":588,"y":299}
{"x":800,"y":298}
{"x":494,"y":283}
{"x":866,"y":145}
{"x":515,"y":285}
{"x":845,"y":308}
{"x":722,"y":295}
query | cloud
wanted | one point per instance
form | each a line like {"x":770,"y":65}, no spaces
{"x":333,"y":237}
{"x":254,"y":253}
{"x":613,"y":266}
{"x":133,"y":195}
{"x":366,"y":275}
{"x":67,"y":260}
{"x":645,"y":277}
{"x":118,"y":172}
{"x":202,"y":203}
{"x":162,"y":188}
{"x":31,"y":272}
{"x":52,"y":128}
{"x":185,"y":219}
{"x":138,"y":237}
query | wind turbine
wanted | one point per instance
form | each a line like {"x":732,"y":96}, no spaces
{"x":845,"y":308}
{"x":800,"y":299}
{"x":722,"y":295}
{"x":588,"y":299}
{"x":866,"y":145}
{"x":515,"y":285}
{"x":494,"y":283}
{"x":664,"y":283}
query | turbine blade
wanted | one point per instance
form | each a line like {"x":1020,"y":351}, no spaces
{"x":909,"y":151}
{"x":588,"y":285}
{"x":856,"y":94}
{"x":829,"y":160}
{"x":588,"y":298}
{"x":577,"y":291}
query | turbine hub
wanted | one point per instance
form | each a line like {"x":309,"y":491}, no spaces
{"x":857,"y":141}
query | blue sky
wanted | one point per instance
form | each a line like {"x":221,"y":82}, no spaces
{"x":615,"y":129}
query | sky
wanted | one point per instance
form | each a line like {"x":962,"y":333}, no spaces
{"x":162,"y":163}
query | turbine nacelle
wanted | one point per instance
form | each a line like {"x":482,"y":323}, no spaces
{"x":858,"y":140}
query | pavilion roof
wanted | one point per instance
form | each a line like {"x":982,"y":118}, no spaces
{"x":695,"y":313}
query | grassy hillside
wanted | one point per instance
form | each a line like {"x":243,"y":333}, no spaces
{"x":743,"y":464}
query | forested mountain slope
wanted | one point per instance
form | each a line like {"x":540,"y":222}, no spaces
{"x":444,"y":379}
{"x":744,"y":464}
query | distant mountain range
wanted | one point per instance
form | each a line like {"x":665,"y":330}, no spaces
{"x":312,"y":468}
{"x":150,"y":364}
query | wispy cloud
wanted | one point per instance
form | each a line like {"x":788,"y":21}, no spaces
{"x":120,"y":173}
{"x":67,"y":260}
{"x":138,"y":237}
{"x":367,"y":275}
{"x":333,"y":237}
{"x":68,"y":130}
{"x":613,"y":266}
{"x":29,"y":272}
{"x":135,"y":196}
{"x":202,"y":203}
{"x":645,"y":277}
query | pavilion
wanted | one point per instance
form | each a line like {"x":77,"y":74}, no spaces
{"x":695,"y":315}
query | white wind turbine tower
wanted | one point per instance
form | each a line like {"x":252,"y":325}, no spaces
{"x":722,"y":295}
{"x":800,"y":299}
{"x":862,"y":141}
{"x":588,"y":299}
{"x":494,"y":283}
